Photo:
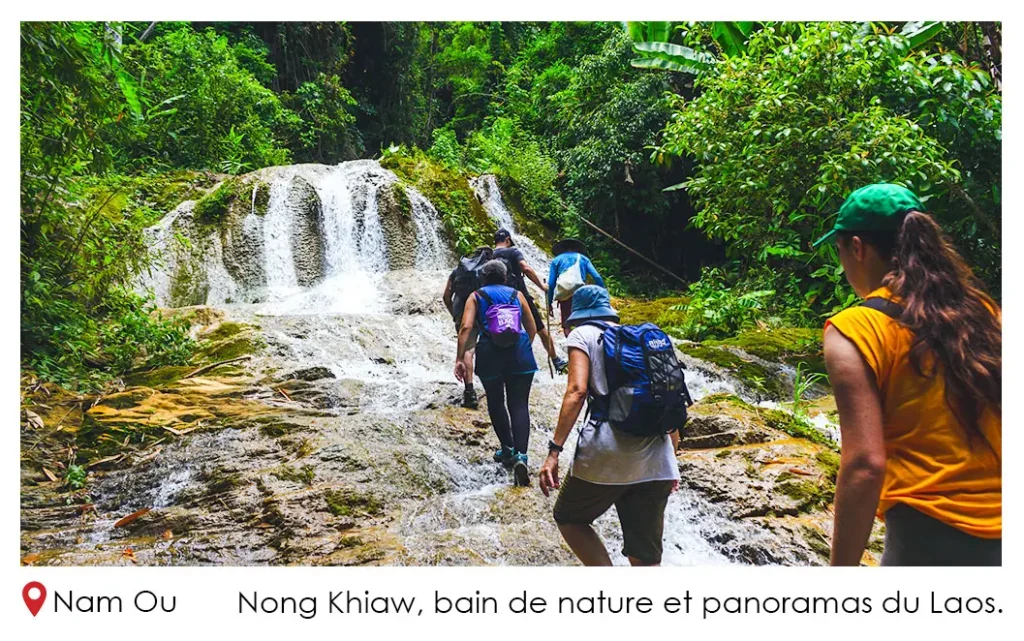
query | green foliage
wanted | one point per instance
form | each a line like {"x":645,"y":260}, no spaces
{"x":529,"y":173}
{"x":802,"y":382}
{"x":81,"y":241}
{"x":783,"y":134}
{"x":75,"y":478}
{"x":205,"y":109}
{"x":325,"y":123}
{"x":715,"y":311}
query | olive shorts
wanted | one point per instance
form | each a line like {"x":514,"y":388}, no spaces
{"x":641,"y":508}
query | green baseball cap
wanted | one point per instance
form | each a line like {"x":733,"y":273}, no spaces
{"x":877,"y":207}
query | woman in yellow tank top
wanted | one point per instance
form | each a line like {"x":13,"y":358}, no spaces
{"x":917,"y":375}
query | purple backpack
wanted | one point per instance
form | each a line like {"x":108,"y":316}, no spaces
{"x":502,"y":321}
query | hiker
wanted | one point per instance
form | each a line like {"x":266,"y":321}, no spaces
{"x":917,"y":371}
{"x":634,"y":473}
{"x":569,"y":271}
{"x":518,"y":271}
{"x":504,"y":362}
{"x":462,"y":282}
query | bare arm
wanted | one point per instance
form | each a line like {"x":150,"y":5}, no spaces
{"x":447,"y":296}
{"x":466,"y":328}
{"x":528,"y":321}
{"x":572,"y":404}
{"x":862,"y":466}
{"x":530,"y":273}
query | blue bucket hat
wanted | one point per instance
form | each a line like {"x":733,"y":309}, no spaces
{"x":591,"y":301}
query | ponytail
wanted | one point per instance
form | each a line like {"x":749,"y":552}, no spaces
{"x":956,"y":327}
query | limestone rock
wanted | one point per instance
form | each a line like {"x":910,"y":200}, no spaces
{"x":307,"y":238}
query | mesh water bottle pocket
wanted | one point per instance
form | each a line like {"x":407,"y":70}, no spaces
{"x":620,"y":404}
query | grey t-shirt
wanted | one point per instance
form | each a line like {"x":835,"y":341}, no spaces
{"x":604,"y":454}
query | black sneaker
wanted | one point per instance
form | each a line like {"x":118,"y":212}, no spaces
{"x":520,"y":471}
{"x":561,"y":364}
{"x":469,"y":398}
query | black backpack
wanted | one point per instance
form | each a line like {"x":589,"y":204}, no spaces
{"x":468,"y":277}
{"x":516,"y":280}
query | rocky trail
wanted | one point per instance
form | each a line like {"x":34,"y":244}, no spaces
{"x":330,"y":431}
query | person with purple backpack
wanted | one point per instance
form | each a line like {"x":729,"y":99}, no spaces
{"x":504,"y":362}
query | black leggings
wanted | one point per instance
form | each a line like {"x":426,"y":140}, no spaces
{"x":517,"y":433}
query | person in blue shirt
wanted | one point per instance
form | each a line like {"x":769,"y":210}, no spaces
{"x":569,"y":253}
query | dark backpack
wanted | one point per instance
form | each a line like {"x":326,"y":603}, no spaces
{"x":515,"y":279}
{"x":468,"y":277}
{"x":647,"y":388}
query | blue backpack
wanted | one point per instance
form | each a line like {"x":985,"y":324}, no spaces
{"x":647,"y":390}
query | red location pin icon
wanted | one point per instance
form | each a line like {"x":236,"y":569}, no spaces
{"x":34,"y":605}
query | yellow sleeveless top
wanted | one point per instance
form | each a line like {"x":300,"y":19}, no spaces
{"x":930,"y":465}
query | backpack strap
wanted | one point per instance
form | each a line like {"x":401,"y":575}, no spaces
{"x":482,"y":294}
{"x":884,"y":305}
{"x":594,"y":399}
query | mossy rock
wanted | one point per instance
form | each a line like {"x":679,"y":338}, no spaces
{"x":303,"y":475}
{"x":96,"y":439}
{"x":219,"y":481}
{"x":348,"y":502}
{"x":659,"y":311}
{"x":403,"y":206}
{"x":213,"y":207}
{"x":791,"y":345}
{"x":262,"y":198}
{"x":795,"y":426}
{"x":464,"y":219}
{"x":159,"y":377}
{"x":229,"y":340}
{"x":748,"y":372}
{"x":809,"y":495}
{"x":149,"y":196}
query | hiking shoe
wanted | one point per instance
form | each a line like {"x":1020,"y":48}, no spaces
{"x":505,"y":456}
{"x":561,"y":364}
{"x":520,"y":471}
{"x":469,"y":398}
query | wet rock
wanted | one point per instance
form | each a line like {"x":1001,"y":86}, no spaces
{"x":720,"y":431}
{"x":307,"y":237}
{"x":242,"y":242}
{"x":311,"y":374}
{"x":397,"y":225}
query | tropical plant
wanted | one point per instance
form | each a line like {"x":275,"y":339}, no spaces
{"x":803,"y":381}
{"x":784,"y":133}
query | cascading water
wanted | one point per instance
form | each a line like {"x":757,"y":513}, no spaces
{"x":342,"y":282}
{"x":487,"y":192}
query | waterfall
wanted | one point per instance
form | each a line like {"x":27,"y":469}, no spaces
{"x":486,"y":189}
{"x":321,"y":245}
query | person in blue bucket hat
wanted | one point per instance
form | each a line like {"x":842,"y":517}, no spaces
{"x":610,"y":467}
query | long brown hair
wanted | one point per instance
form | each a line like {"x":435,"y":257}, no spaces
{"x":956,"y":327}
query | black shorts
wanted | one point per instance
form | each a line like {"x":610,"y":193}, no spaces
{"x":641,"y":508}
{"x":914,"y":538}
{"x":537,"y":318}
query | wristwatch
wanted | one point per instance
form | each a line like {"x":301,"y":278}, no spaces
{"x":554,"y":447}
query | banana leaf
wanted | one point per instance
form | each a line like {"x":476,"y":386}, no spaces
{"x":731,"y":36}
{"x":919,"y":32}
